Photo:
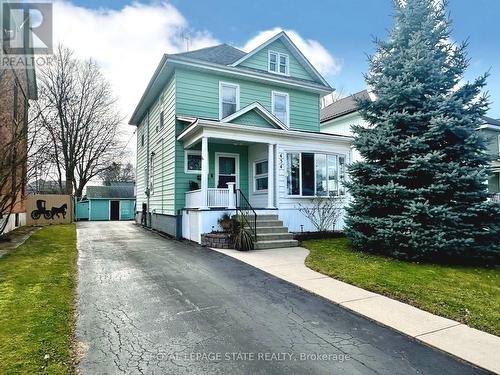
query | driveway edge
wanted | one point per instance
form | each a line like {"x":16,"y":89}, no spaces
{"x":468,"y":344}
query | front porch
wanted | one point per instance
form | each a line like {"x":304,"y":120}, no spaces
{"x":222,"y":172}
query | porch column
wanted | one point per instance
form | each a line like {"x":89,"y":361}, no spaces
{"x":204,"y":173}
{"x":231,"y":198}
{"x":270,"y":176}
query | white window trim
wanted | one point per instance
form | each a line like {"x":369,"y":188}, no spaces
{"x":300,"y":174}
{"x":190,"y":152}
{"x":256,"y":176}
{"x":273,"y":93}
{"x":237,"y":162}
{"x":278,"y":55}
{"x":229,"y":84}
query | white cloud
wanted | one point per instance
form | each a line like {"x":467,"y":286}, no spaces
{"x":318,"y":55}
{"x":126,"y":43}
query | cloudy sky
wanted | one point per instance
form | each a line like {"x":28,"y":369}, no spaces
{"x":128,"y":39}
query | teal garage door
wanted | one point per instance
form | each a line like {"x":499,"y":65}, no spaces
{"x":99,"y":209}
{"x":127,"y":209}
{"x":82,"y":210}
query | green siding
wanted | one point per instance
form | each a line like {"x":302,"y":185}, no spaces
{"x":99,"y":209}
{"x":259,"y":61}
{"x":184,"y":178}
{"x":162,"y":143}
{"x":492,"y":137}
{"x":252,"y":118}
{"x":197,"y":94}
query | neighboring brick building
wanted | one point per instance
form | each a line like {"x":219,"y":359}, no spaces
{"x":17,"y":87}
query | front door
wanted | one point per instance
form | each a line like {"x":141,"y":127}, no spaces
{"x":114,"y":213}
{"x":226,"y":169}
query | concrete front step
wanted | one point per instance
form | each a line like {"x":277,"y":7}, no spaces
{"x":276,"y":229}
{"x":274,"y":236}
{"x":269,"y":223}
{"x":275,"y":244}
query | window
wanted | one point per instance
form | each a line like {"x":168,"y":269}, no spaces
{"x":229,"y":96}
{"x":260,"y":175}
{"x":192,"y":162}
{"x":278,"y":63}
{"x":280,"y":106}
{"x":310,"y":174}
{"x":142,"y":139}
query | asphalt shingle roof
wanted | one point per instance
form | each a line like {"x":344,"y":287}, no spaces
{"x":222,"y":54}
{"x":110,"y":192}
{"x":342,"y":106}
{"x":491,"y":121}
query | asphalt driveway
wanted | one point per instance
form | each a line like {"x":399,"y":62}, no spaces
{"x":150,"y":305}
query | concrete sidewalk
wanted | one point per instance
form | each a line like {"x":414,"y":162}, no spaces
{"x":474,"y":346}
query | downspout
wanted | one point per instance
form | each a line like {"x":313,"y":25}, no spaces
{"x":148,"y":213}
{"x":162,"y":176}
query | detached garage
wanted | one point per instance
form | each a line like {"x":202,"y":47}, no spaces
{"x":114,"y":202}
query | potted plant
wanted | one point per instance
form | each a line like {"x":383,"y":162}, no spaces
{"x":242,"y":238}
{"x":225,"y":222}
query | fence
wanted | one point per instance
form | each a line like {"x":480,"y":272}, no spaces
{"x":49,"y":209}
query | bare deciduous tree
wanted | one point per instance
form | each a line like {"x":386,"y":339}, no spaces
{"x":77,"y":111}
{"x":117,"y":171}
{"x":323,"y":212}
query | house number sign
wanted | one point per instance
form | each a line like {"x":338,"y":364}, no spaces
{"x":281,"y":161}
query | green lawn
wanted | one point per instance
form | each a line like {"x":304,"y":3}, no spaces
{"x":467,"y":294}
{"x":37,"y":293}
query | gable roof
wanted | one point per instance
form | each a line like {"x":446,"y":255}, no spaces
{"x":293,"y":49}
{"x":257,"y":107}
{"x":123,"y":191}
{"x":342,"y":106}
{"x":223,"y":54}
{"x":491,"y":121}
{"x":224,"y":59}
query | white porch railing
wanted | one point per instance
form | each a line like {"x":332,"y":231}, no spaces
{"x":193,"y":199}
{"x":216,"y":197}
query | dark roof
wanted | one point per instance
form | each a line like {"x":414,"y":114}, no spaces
{"x":491,"y":121}
{"x":110,"y":192}
{"x":222,"y":54}
{"x":342,"y":106}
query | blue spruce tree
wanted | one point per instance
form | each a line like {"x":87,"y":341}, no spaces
{"x":420,"y":194}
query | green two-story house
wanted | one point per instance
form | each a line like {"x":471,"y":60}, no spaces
{"x":219,"y":129}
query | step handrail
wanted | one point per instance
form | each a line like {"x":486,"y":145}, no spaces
{"x":245,"y":211}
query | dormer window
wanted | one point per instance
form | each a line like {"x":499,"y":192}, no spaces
{"x":278,"y":63}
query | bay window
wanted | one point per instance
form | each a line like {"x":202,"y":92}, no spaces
{"x":229,"y":97}
{"x":315,"y":174}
